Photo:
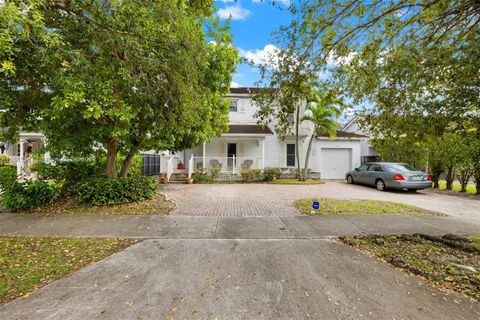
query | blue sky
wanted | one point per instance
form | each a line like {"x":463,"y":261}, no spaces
{"x":252,"y":24}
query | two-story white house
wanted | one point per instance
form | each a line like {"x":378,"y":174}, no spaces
{"x":249,"y":145}
{"x":246,"y":145}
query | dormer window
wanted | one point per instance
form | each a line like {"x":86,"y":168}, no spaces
{"x":233,"y":105}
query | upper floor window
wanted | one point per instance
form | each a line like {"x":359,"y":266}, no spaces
{"x":233,"y":105}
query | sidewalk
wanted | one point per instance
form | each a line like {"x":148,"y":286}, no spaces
{"x":189,"y":227}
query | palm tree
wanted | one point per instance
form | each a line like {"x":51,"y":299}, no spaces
{"x":322,"y":110}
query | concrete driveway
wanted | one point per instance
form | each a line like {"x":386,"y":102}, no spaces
{"x":268,"y":200}
{"x":243,"y":252}
{"x":240,"y":279}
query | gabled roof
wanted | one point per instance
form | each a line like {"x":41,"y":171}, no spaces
{"x":245,"y":90}
{"x":343,"y":134}
{"x":248,"y":129}
{"x":349,"y":123}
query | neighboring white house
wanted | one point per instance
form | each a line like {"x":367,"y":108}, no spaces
{"x":249,"y":145}
{"x":367,"y":151}
{"x":20,"y":151}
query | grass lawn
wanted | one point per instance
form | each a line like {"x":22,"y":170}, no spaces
{"x":359,"y":206}
{"x":295,"y":181}
{"x":156,"y":206}
{"x":456,"y":187}
{"x":27,"y":263}
{"x":450,"y":262}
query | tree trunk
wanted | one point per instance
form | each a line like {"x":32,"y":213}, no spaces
{"x":297,"y":142}
{"x":436,"y":171}
{"x":112,"y":151}
{"x":450,"y":178}
{"x":477,"y":180}
{"x":463,"y":177}
{"x":307,"y":156}
{"x":126,"y":164}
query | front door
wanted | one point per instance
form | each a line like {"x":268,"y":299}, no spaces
{"x":231,"y":152}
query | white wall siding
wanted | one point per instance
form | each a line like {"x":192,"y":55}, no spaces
{"x":245,"y":110}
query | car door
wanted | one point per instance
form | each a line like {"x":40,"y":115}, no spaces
{"x":371,"y":175}
{"x":360,"y":174}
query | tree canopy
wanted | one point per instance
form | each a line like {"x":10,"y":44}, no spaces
{"x":127,"y":75}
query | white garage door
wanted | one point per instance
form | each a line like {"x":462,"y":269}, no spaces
{"x":335,"y":163}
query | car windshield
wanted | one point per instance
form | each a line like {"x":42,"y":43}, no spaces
{"x":397,"y":167}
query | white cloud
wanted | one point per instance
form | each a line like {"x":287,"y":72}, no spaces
{"x":267,"y":55}
{"x":235,"y":85}
{"x":235,"y":12}
{"x":285,"y":2}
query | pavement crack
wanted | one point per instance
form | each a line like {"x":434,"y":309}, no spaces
{"x":216,"y":228}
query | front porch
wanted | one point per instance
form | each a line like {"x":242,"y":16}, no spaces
{"x":20,"y":151}
{"x":229,"y":154}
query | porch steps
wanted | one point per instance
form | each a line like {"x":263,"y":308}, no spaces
{"x":178,"y":177}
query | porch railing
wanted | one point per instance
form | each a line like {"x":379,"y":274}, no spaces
{"x":228,"y":164}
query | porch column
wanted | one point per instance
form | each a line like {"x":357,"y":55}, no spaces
{"x":21,"y":163}
{"x":263,"y":153}
{"x":204,"y":158}
{"x":22,"y":149}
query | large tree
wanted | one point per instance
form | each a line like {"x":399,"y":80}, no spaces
{"x":132,"y":75}
{"x":288,"y":84}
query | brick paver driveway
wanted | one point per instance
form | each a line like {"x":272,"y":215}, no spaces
{"x":267,"y":200}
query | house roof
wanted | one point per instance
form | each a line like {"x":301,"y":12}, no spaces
{"x":245,"y":90}
{"x":248,"y":129}
{"x":343,"y":134}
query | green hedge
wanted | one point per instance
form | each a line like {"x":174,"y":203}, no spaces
{"x":252,"y":174}
{"x":202,"y":178}
{"x":103,"y":191}
{"x":30,"y":194}
{"x":8,"y":176}
{"x":270,"y":174}
{"x":4,"y":160}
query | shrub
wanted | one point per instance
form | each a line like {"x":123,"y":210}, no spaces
{"x":214,"y":172}
{"x":4,"y":160}
{"x":269,"y":174}
{"x":50,"y":171}
{"x":202,"y":178}
{"x":251,"y":174}
{"x":200,"y":171}
{"x":8,"y":176}
{"x":29,"y":194}
{"x":102,"y":191}
{"x":73,"y":172}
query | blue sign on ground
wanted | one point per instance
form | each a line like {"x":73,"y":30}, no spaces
{"x":316,"y":205}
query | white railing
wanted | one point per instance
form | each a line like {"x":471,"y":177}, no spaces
{"x":190,"y":166}
{"x":23,"y":167}
{"x":170,"y":166}
{"x":228,"y":164}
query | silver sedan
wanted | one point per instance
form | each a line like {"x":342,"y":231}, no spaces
{"x":384,"y":175}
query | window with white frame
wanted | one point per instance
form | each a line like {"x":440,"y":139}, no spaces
{"x":233,"y":105}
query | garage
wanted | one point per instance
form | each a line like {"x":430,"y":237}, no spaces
{"x":335,"y":162}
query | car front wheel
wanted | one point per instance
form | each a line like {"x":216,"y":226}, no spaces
{"x":349,"y":179}
{"x":380,"y":184}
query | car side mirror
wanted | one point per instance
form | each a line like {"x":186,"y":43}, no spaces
{"x":356,"y":169}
